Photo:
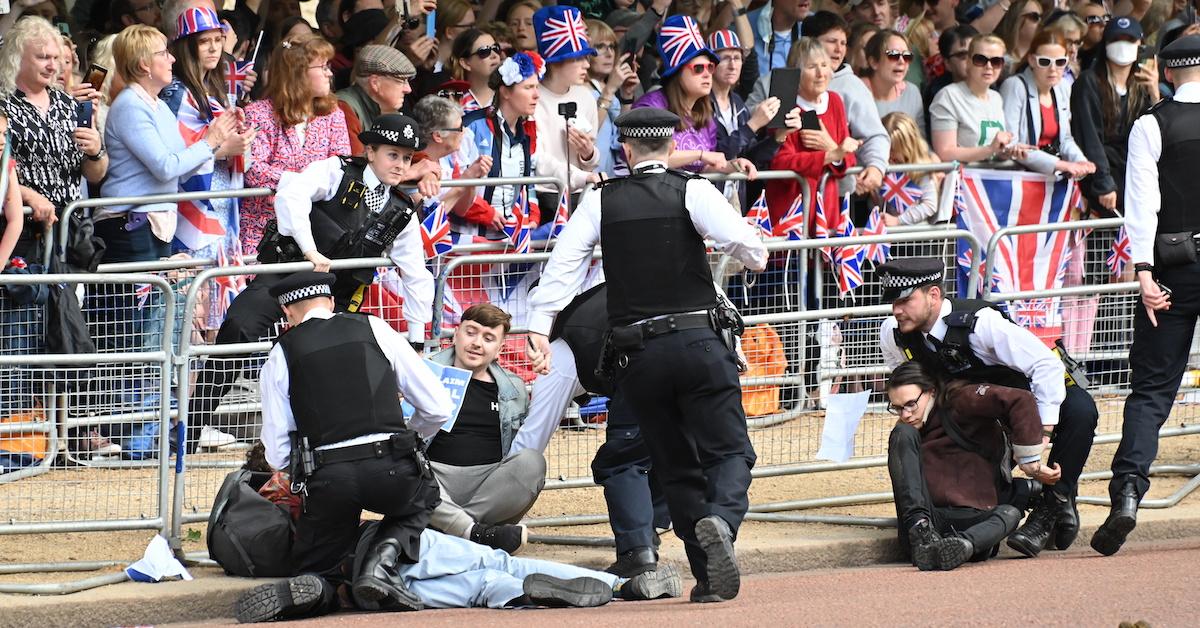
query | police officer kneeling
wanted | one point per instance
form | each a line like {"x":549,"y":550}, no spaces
{"x":970,"y":339}
{"x":330,"y":391}
{"x":1161,"y":188}
{"x":672,"y":365}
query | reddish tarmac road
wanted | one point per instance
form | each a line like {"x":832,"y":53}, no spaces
{"x":1154,"y":582}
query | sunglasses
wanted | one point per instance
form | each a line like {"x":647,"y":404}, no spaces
{"x":487,"y":51}
{"x":1033,"y":17}
{"x":979,"y":61}
{"x":508,"y":51}
{"x":896,"y":55}
{"x":1095,"y":20}
{"x":703,"y":68}
{"x":1045,"y":62}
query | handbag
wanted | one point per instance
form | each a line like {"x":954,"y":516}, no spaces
{"x":66,"y":328}
{"x":84,"y":248}
{"x":1175,"y":249}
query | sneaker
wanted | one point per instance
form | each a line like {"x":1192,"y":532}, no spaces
{"x":509,"y":538}
{"x":653,"y":585}
{"x":545,"y":590}
{"x":212,"y":438}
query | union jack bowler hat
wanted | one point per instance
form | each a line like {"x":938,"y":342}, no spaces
{"x":197,"y":20}
{"x":561,"y":34}
{"x":680,"y":41}
{"x":902,"y":277}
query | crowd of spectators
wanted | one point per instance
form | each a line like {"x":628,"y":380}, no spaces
{"x":506,"y":88}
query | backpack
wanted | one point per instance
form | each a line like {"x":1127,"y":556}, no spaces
{"x":248,"y":535}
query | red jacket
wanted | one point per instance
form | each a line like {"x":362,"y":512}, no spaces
{"x":794,"y":156}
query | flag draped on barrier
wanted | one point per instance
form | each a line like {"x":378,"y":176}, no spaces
{"x":990,"y":200}
{"x":760,"y":217}
{"x":435,"y":230}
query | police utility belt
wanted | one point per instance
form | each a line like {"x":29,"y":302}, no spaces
{"x":305,"y":461}
{"x":620,"y":341}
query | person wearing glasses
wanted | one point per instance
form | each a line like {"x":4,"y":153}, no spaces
{"x":441,"y":122}
{"x":1095,"y":16}
{"x":1037,"y":109}
{"x":972,"y":340}
{"x":888,"y":60}
{"x":380,"y":82}
{"x":615,"y":85}
{"x":473,"y":59}
{"x":1017,"y":29}
{"x":1071,"y":29}
{"x":966,"y":119}
{"x":945,"y":457}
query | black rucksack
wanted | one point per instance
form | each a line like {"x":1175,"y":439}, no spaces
{"x":248,"y":535}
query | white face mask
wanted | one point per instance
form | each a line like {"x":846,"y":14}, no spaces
{"x":1122,"y":52}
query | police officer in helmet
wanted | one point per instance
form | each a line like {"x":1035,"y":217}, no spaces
{"x":341,"y":207}
{"x":672,"y":360}
{"x":1161,"y":188}
{"x":970,"y":339}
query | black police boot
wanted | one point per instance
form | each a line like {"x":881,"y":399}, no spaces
{"x":1121,"y":520}
{"x":652,"y":585}
{"x":509,"y":538}
{"x":1032,"y":537}
{"x":1066,"y":524}
{"x":293,"y":598}
{"x":545,"y":590}
{"x":633,"y":562}
{"x":716,"y":539}
{"x":378,"y":585}
{"x":932,"y":552}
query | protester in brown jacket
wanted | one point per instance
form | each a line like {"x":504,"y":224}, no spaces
{"x":951,"y":468}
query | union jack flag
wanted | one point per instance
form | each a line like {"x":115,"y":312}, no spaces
{"x":677,"y":40}
{"x":235,"y":73}
{"x":1033,"y":312}
{"x":517,"y":227}
{"x":469,"y":103}
{"x":561,"y":216}
{"x":899,"y":193}
{"x":228,"y":286}
{"x":965,"y":258}
{"x":142,"y":292}
{"x":877,"y":253}
{"x":1120,"y":254}
{"x":435,"y":231}
{"x":792,"y":222}
{"x":759,"y":216}
{"x":567,"y":31}
{"x":848,"y":259}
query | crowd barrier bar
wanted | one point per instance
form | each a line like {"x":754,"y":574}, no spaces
{"x":1073,"y":225}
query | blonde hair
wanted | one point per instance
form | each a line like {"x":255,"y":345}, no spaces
{"x":133,"y":47}
{"x":600,"y":31}
{"x":908,"y":147}
{"x":980,"y":41}
{"x":28,"y":30}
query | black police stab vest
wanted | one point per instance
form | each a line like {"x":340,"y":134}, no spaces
{"x":1177,"y":180}
{"x":336,"y":223}
{"x":341,"y":384}
{"x":583,"y":325}
{"x":654,"y":260}
{"x":956,"y":359}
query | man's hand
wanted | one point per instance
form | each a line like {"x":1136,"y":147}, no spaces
{"x":479,"y":168}
{"x":538,"y":349}
{"x":1046,"y":474}
{"x":430,"y":184}
{"x":43,"y":209}
{"x":869,"y":180}
{"x":320,"y":262}
{"x":1153,"y":298}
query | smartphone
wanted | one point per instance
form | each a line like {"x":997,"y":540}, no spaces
{"x":809,"y":121}
{"x":95,"y":76}
{"x":83,"y":114}
{"x":431,"y":24}
{"x":1165,"y":290}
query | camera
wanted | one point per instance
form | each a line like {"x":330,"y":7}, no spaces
{"x":567,"y":109}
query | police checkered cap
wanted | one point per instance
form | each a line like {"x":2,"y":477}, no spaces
{"x":901,"y":277}
{"x":306,"y":292}
{"x":1182,"y":53}
{"x":303,"y":285}
{"x":646,"y":123}
{"x":395,"y":129}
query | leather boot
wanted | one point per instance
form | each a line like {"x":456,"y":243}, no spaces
{"x":1121,"y":521}
{"x":1066,"y":524}
{"x":932,"y":552}
{"x":292,"y":598}
{"x":633,"y":562}
{"x":1030,"y":538}
{"x":378,"y":586}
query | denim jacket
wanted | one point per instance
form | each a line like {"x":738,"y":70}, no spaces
{"x":511,"y":395}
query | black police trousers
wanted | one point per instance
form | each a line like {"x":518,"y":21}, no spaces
{"x":683,"y":387}
{"x":983,"y":528}
{"x":393,"y":485}
{"x":1072,"y":438}
{"x":1157,"y":361}
{"x":636,"y":504}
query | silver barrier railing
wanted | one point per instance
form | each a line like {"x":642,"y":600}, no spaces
{"x":155,"y":516}
{"x":1006,"y":232}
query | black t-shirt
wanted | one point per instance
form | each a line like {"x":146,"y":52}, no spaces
{"x":475,"y":438}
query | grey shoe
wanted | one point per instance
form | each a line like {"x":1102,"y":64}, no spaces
{"x":652,"y":585}
{"x":715,"y":537}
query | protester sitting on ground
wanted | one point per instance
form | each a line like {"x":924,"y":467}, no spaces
{"x":909,"y":147}
{"x":485,"y":490}
{"x":298,"y":124}
{"x":474,"y":57}
{"x":967,"y":118}
{"x":1037,"y":109}
{"x":945,"y":457}
{"x":380,"y":82}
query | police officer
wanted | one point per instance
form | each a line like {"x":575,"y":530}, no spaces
{"x":970,"y":339}
{"x":329,"y":390}
{"x":341,"y":207}
{"x":673,"y":367}
{"x":1161,"y":189}
{"x":636,"y":505}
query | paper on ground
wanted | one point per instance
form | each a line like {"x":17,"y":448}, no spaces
{"x":157,"y":563}
{"x":842,"y":414}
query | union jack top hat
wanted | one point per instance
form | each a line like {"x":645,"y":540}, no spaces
{"x":723,"y":40}
{"x":561,"y":34}
{"x":680,"y":41}
{"x":196,"y":20}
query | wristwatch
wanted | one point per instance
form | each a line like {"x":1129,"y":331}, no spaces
{"x":98,"y":156}
{"x":740,"y":12}
{"x":1143,"y":266}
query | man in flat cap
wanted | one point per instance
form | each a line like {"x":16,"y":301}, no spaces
{"x":972,"y":340}
{"x":339,"y":208}
{"x":1161,"y":188}
{"x":379,"y":83}
{"x":673,"y":361}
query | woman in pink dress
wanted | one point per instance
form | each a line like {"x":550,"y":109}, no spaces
{"x":298,"y":123}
